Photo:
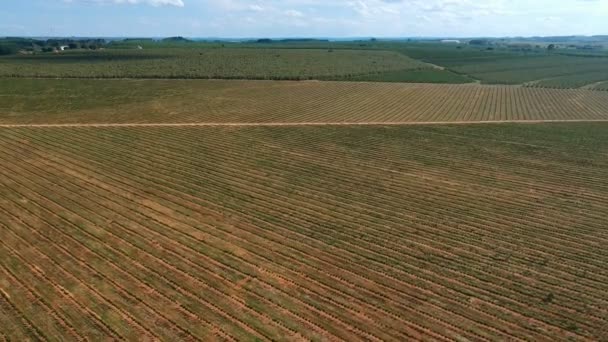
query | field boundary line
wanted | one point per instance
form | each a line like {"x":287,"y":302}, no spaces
{"x":278,"y":124}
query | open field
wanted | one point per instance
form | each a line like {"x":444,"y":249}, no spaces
{"x":537,"y":68}
{"x":341,"y":61}
{"x":221,"y":63}
{"x":177,"y":209}
{"x":585,"y":80}
{"x":30,"y":101}
{"x":488,"y":232}
{"x":552,"y":71}
{"x":412,"y":76}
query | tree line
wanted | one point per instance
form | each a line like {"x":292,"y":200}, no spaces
{"x":10,"y":45}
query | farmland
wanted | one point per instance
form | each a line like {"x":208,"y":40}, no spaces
{"x":477,"y":232}
{"x":32,"y":101}
{"x":538,"y":68}
{"x":572,"y":72}
{"x":411,"y":76}
{"x":584,"y":80}
{"x":600,"y":86}
{"x":365,"y":60}
{"x":307,"y":191}
{"x":240,"y":63}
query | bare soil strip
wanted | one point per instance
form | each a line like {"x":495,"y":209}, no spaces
{"x":272,"y":124}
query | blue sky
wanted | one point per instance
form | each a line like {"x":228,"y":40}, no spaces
{"x":302,"y":18}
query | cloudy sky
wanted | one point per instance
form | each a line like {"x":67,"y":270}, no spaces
{"x":302,"y":18}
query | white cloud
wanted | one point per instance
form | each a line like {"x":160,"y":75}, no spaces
{"x":458,"y":18}
{"x":339,"y":18}
{"x":256,"y":8}
{"x":177,"y":3}
{"x":294,"y":13}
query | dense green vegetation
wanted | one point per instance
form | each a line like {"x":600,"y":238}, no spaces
{"x":241,"y":63}
{"x":576,"y":80}
{"x":532,"y":63}
{"x":437,"y":53}
{"x":575,"y":71}
{"x":413,"y":76}
{"x":565,"y":68}
{"x":12,"y":46}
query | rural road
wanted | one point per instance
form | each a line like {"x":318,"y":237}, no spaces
{"x":276,"y":124}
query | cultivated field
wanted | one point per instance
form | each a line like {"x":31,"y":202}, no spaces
{"x":141,"y":201}
{"x":434,"y":75}
{"x":532,"y":65}
{"x":486,"y":232}
{"x":551,"y":71}
{"x":600,"y":86}
{"x":241,"y":63}
{"x":26,"y":101}
{"x":586,"y":80}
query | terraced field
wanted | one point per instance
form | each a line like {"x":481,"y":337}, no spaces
{"x":487,"y":232}
{"x":190,"y":101}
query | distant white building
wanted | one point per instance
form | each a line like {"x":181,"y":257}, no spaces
{"x":451,"y":41}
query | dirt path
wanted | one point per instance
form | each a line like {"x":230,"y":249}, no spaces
{"x":288,"y":124}
{"x":591,"y":86}
{"x":532,"y":83}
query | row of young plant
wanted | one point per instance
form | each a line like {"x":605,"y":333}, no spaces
{"x":257,"y":101}
{"x":336,"y":102}
{"x":317,"y":209}
{"x":255,"y":277}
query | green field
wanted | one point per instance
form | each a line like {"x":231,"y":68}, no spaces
{"x":586,"y":80}
{"x":372,"y":61}
{"x":572,"y":72}
{"x":240,"y":63}
{"x":538,"y":68}
{"x":434,"y":75}
{"x":31,"y":101}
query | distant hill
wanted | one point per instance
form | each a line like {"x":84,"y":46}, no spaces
{"x":289,"y":40}
{"x":176,"y":40}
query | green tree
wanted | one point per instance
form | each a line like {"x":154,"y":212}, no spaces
{"x":6,"y":50}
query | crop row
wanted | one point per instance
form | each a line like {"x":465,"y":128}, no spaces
{"x":305,"y":233}
{"x":279,"y":64}
{"x":178,"y":101}
{"x":578,"y":80}
{"x":558,"y":71}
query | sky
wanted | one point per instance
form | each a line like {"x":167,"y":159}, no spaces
{"x":302,"y":18}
